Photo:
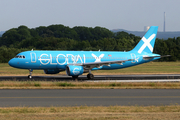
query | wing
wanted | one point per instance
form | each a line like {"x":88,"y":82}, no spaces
{"x":99,"y":64}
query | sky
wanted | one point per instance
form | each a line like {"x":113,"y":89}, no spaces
{"x":112,"y":14}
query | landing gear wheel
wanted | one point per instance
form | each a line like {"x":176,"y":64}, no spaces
{"x":30,"y":72}
{"x":29,"y":76}
{"x":90,"y":76}
{"x":75,"y":77}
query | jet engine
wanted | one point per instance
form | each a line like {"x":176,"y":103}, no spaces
{"x":73,"y":70}
{"x":51,"y":71}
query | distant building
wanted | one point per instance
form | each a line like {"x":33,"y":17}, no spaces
{"x":146,"y":28}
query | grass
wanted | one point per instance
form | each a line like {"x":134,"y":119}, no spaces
{"x":62,"y":84}
{"x":86,"y":85}
{"x":147,"y":68}
{"x":37,"y":84}
{"x":92,"y":113}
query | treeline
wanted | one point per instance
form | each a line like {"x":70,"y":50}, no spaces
{"x":60,"y":37}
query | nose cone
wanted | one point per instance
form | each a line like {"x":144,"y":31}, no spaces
{"x":12,"y":63}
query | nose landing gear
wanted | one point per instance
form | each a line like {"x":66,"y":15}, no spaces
{"x":30,"y":73}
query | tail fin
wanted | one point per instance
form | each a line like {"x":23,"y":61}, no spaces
{"x":146,"y":44}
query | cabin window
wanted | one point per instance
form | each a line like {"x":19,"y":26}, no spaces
{"x":20,"y":56}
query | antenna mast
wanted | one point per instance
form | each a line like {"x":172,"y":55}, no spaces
{"x":164,"y":22}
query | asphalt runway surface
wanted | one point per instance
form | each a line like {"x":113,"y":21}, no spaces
{"x":96,"y":77}
{"x":89,"y":97}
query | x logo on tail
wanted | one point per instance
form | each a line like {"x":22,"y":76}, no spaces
{"x":147,"y":43}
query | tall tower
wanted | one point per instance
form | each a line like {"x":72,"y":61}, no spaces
{"x":146,"y":28}
{"x":164,"y":22}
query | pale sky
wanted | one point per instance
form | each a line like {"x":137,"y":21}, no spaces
{"x":111,"y":14}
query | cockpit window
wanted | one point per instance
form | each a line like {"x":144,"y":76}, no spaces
{"x":20,"y":56}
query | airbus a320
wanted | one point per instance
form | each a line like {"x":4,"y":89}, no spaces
{"x":76,"y":63}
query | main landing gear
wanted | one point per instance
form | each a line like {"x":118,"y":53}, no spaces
{"x":30,"y":73}
{"x":90,"y":75}
{"x":75,"y":77}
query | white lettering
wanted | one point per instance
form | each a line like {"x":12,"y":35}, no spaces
{"x":84,"y":58}
{"x":61,"y":59}
{"x":71,"y":56}
{"x":51,"y":60}
{"x":58,"y":61}
{"x":41,"y":60}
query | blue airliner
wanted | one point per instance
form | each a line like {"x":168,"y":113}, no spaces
{"x":76,"y":63}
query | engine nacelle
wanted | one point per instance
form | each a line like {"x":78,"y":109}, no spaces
{"x":51,"y":71}
{"x":73,"y":70}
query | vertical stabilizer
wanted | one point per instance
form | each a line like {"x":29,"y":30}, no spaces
{"x":146,"y":44}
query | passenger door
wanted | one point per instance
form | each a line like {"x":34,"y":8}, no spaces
{"x":33,"y":57}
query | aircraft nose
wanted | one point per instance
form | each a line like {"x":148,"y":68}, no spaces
{"x":11,"y":62}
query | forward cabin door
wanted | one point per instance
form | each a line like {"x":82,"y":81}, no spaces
{"x":33,"y":57}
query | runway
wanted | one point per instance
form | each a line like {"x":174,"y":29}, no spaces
{"x":173,"y":77}
{"x":89,"y":97}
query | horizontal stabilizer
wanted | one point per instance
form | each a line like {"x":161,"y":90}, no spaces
{"x":150,"y":57}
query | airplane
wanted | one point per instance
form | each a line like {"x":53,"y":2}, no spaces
{"x":76,"y":63}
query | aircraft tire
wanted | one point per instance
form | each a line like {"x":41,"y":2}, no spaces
{"x":29,"y":76}
{"x":75,"y":77}
{"x":90,"y":76}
